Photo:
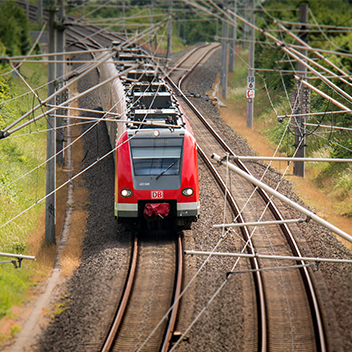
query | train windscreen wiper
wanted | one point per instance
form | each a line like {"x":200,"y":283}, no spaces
{"x":169,"y":167}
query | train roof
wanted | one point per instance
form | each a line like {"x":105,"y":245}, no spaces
{"x":148,"y":97}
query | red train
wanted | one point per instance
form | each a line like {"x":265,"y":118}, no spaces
{"x":156,"y":180}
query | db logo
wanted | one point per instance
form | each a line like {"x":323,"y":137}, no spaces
{"x":157,"y":194}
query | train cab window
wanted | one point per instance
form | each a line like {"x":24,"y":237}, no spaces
{"x":156,"y":157}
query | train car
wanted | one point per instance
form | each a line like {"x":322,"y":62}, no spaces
{"x":156,"y":177}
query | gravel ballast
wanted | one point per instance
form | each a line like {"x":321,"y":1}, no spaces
{"x":89,"y":296}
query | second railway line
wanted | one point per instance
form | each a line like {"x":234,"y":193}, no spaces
{"x":276,"y":289}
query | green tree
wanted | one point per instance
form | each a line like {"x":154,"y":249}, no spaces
{"x":14,"y":29}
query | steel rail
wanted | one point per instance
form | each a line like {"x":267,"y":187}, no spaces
{"x":262,"y":321}
{"x":314,"y":304}
{"x":260,"y":294}
{"x":113,"y":36}
{"x":184,"y":58}
{"x":94,"y":42}
{"x":196,"y":64}
{"x":176,"y":301}
{"x":307,"y":280}
{"x":124,"y":301}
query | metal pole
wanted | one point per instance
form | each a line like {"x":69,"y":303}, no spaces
{"x":233,"y":37}
{"x":216,"y":29}
{"x":224,"y":39}
{"x":60,"y":71}
{"x":169,"y":31}
{"x":250,"y":97}
{"x":284,"y":199}
{"x":245,"y":25}
{"x":151,"y":23}
{"x":27,"y":8}
{"x":303,"y":99}
{"x":50,"y":208}
{"x":123,"y":15}
{"x":40,"y":10}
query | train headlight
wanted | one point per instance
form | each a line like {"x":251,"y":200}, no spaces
{"x":187,"y":192}
{"x":126,"y":193}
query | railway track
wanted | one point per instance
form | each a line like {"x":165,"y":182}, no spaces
{"x":287,"y":308}
{"x":288,"y":319}
{"x":144,"y":320}
{"x":146,"y":316}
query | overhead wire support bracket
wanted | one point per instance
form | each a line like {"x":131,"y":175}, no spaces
{"x":298,"y":266}
{"x":261,"y":223}
{"x":6,"y":132}
{"x":288,"y":158}
{"x":269,"y":256}
{"x":284,"y":199}
{"x":17,"y":262}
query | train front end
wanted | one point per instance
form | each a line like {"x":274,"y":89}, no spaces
{"x":157,"y":179}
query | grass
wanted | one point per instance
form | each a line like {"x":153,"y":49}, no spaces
{"x":19,"y":154}
{"x":25,"y":235}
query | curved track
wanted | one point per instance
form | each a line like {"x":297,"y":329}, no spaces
{"x":287,"y":306}
{"x":288,"y":314}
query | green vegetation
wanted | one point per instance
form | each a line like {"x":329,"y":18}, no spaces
{"x":14,"y":32}
{"x":274,"y":88}
{"x":19,"y":154}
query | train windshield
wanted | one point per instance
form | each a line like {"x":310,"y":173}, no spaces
{"x":156,"y":157}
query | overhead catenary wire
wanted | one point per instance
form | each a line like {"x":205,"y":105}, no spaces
{"x":97,"y":120}
{"x":38,"y":56}
{"x":30,"y":133}
{"x":265,"y":256}
{"x":284,"y":199}
{"x":333,"y":142}
{"x":199,"y":314}
{"x":324,"y":35}
{"x":5,"y":132}
{"x":296,"y":55}
{"x":324,"y":95}
{"x":66,"y":182}
{"x":308,"y":47}
{"x":93,"y":11}
{"x":110,"y":26}
{"x":135,"y":66}
{"x":75,"y":140}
